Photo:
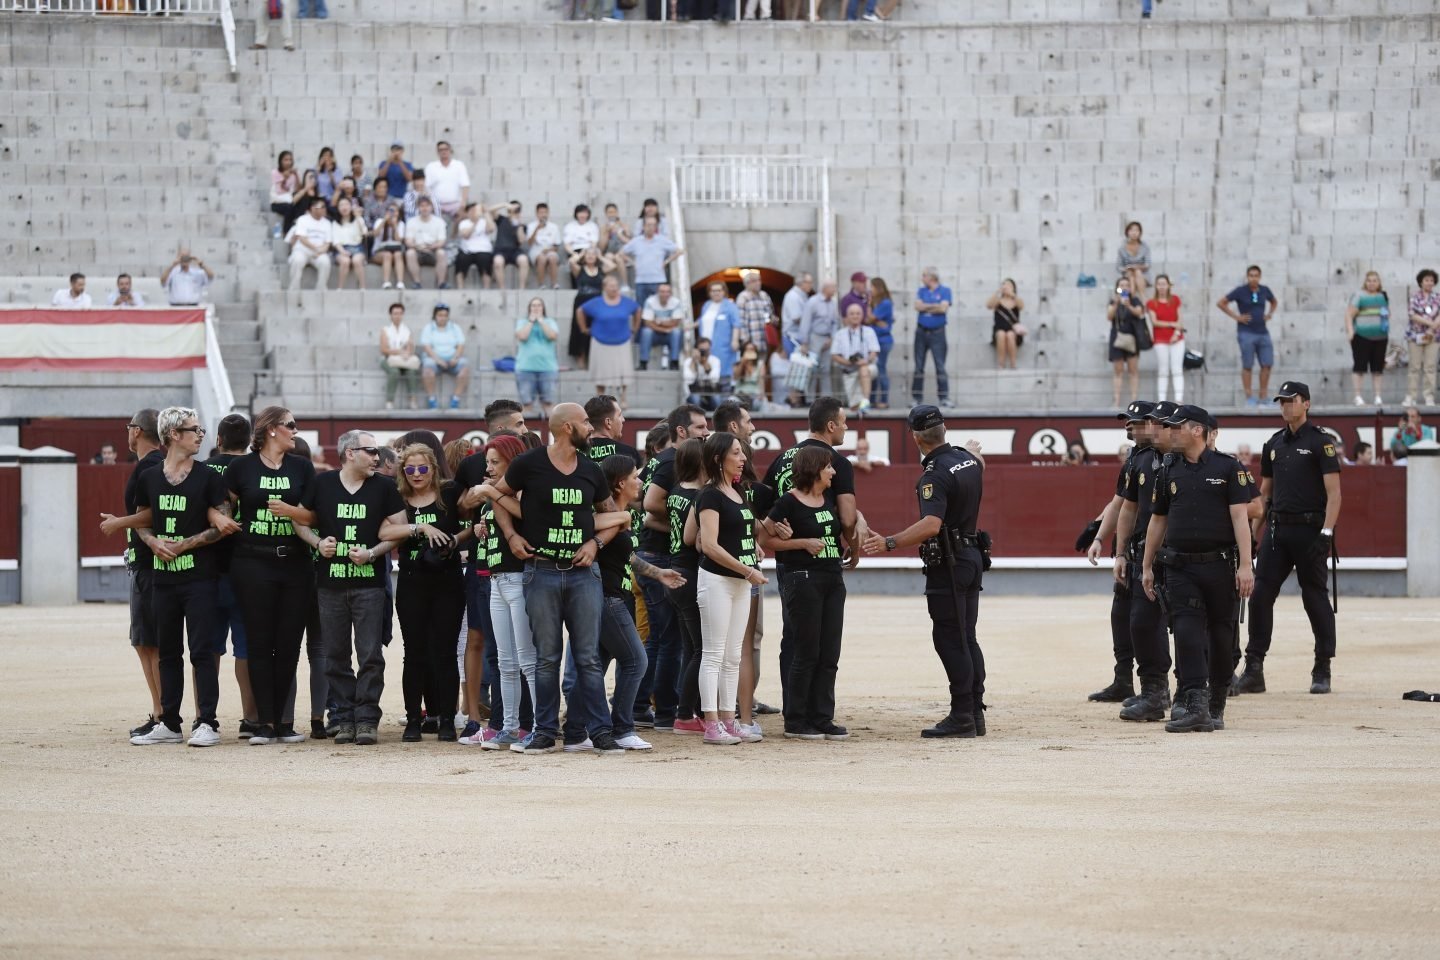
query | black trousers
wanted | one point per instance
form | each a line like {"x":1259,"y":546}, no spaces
{"x":952,"y":625}
{"x":787,"y":639}
{"x":1148,"y":637}
{"x":1204,"y":612}
{"x":431,"y":607}
{"x":687,"y":615}
{"x":1287,"y":547}
{"x":1120,"y":641}
{"x":186,"y":609}
{"x":816,"y":603}
{"x":275,"y":597}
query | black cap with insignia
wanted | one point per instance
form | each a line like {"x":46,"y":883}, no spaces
{"x":1162,"y":411}
{"x":1291,"y":389}
{"x":1189,"y":413}
{"x":925,"y":416}
{"x":1139,"y":410}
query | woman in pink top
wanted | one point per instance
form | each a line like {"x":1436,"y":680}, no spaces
{"x":1164,"y":311}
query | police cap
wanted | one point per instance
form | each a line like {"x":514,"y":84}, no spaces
{"x":1139,"y":410}
{"x":1291,"y":389}
{"x":925,"y":416}
{"x":1189,"y":413}
{"x":1163,"y":411}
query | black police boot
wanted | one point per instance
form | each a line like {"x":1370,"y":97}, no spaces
{"x":1217,"y":707}
{"x":979,"y":719}
{"x":1118,"y":691}
{"x":957,"y":725}
{"x":1193,"y":709}
{"x":1320,"y":676}
{"x":1251,"y":681}
{"x":1152,"y":703}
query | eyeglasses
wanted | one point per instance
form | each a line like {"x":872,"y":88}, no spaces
{"x":289,"y":426}
{"x":373,"y":451}
{"x":421,"y":470}
{"x":198,"y":431}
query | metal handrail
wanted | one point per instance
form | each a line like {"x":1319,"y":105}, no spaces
{"x":750,"y":180}
{"x":118,"y":7}
{"x":227,"y":26}
{"x":214,"y":397}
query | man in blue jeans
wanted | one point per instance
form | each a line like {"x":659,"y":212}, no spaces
{"x":1254,"y":305}
{"x":932,"y":301}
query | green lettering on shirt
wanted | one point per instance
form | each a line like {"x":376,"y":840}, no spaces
{"x":171,"y":501}
{"x":274,"y":483}
{"x":350,"y":511}
{"x":566,"y":496}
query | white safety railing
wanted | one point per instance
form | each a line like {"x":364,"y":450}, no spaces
{"x":227,"y":26}
{"x":136,"y":7}
{"x":214,"y":397}
{"x":751,"y":181}
{"x":681,"y":265}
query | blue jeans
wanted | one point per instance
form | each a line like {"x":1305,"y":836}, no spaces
{"x":662,"y":675}
{"x":621,"y":642}
{"x":1255,"y":346}
{"x":647,"y":342}
{"x":932,"y":342}
{"x":1145,"y":7}
{"x":558,"y":602}
{"x":644,"y":291}
{"x":880,"y":388}
{"x":530,"y":384}
{"x":315,"y":8}
{"x":852,"y":9}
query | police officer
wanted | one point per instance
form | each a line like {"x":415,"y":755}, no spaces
{"x":1300,"y":486}
{"x":949,"y":492}
{"x":1199,"y":532}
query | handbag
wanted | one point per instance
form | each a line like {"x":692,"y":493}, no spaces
{"x":1194,"y":361}
{"x":1124,"y":342}
{"x":398,"y":362}
{"x":1144,"y":336}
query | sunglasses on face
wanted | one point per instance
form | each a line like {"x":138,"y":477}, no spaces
{"x":421,"y":470}
{"x":290,"y":425}
{"x":373,"y":451}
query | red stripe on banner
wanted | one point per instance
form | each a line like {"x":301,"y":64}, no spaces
{"x":104,"y":364}
{"x":77,"y":318}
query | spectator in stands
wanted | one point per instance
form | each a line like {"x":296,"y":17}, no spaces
{"x":448,"y":180}
{"x":1245,"y":454}
{"x":1367,"y":327}
{"x":378,"y":201}
{"x":315,"y":8}
{"x":1133,"y":253}
{"x":1422,"y":330}
{"x":310,"y":241}
{"x":284,"y":181}
{"x":346,"y":190}
{"x":663,"y":317}
{"x":792,"y":311}
{"x":763,"y":6}
{"x":186,"y":280}
{"x":262,"y":25}
{"x":613,"y":237}
{"x":123,"y":296}
{"x":362,"y":180}
{"x":74,"y":296}
{"x":701,"y":373}
{"x":387,"y":243}
{"x":1125,"y":314}
{"x":651,"y":252}
{"x":1168,"y":332}
{"x":397,"y":357}
{"x":651,"y":209}
{"x":1410,"y":431}
{"x":544,"y":247}
{"x":588,"y":274}
{"x":1362,"y":454}
{"x":862,"y":459}
{"x":308,"y":190}
{"x":854,"y":350}
{"x":859,"y":292}
{"x":932,"y":304}
{"x":537,"y":370}
{"x":327,"y":173}
{"x":509,"y":246}
{"x":720,"y":323}
{"x":348,"y":237}
{"x":817,"y":331}
{"x":1005,"y":306}
{"x":396,"y":170}
{"x":581,"y":233}
{"x":880,"y":317}
{"x":757,"y":312}
{"x":418,"y":190}
{"x":425,"y":237}
{"x":611,"y":321}
{"x":1254,"y":305}
{"x":475,"y":236}
{"x":106,"y":455}
{"x":442,"y":350}
{"x":748,"y":376}
{"x":1076,"y":455}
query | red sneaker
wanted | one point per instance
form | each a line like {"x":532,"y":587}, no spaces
{"x":693,"y":727}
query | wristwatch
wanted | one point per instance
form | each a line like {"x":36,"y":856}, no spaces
{"x":889,"y":543}
{"x":599,"y":544}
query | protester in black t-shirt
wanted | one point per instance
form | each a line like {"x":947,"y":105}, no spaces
{"x":689,"y":478}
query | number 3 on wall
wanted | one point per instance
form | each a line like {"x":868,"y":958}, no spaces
{"x":1047,"y":443}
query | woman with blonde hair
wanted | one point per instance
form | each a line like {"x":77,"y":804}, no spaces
{"x":1367,"y":327}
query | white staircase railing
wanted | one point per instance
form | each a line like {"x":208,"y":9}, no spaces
{"x":214,"y":397}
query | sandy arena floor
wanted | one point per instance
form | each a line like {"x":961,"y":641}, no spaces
{"x":1308,"y":828}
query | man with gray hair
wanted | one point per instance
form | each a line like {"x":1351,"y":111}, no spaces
{"x":932,"y":302}
{"x":817,"y":332}
{"x":792,"y":311}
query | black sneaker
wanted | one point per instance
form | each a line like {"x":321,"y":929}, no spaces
{"x":264,"y":734}
{"x":430,"y":725}
{"x":247,"y":730}
{"x":144,"y":728}
{"x":288,"y":734}
{"x":605,"y":743}
{"x":344,"y":733}
{"x":802,"y":732}
{"x":535,"y":743}
{"x":645,"y":721}
{"x":447,"y":732}
{"x":366,"y":735}
{"x":413,"y":729}
{"x":764,"y":709}
{"x":318,"y":730}
{"x":332,"y":729}
{"x":833,"y":731}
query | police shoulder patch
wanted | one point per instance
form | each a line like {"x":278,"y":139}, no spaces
{"x":1243,"y":479}
{"x":927,"y":491}
{"x":1142,"y":479}
{"x":1329,"y":449}
{"x":1272,"y":454}
{"x":1173,"y":489}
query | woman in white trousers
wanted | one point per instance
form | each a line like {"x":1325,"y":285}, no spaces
{"x":1164,"y":312}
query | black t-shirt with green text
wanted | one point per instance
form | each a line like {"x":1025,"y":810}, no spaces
{"x":602,"y":447}
{"x":254,"y":484}
{"x":614,"y":562}
{"x":780,"y":476}
{"x":660,"y":471}
{"x":558,"y":509}
{"x":442,"y":513}
{"x":180,"y":511}
{"x":225,"y":549}
{"x":495,"y":556}
{"x":737,"y":529}
{"x":137,"y":555}
{"x":353,"y":519}
{"x":809,"y":523}
{"x":677,"y":508}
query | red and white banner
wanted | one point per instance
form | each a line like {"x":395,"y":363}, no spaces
{"x":124,"y":341}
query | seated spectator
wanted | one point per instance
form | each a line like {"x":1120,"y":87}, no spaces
{"x":545,"y":247}
{"x":308,"y":190}
{"x":1362,"y":454}
{"x":853,"y":350}
{"x":378,"y":201}
{"x":664,"y":317}
{"x":123,"y":295}
{"x":509,"y":245}
{"x":186,"y":280}
{"x":613,"y":237}
{"x":1076,"y":455}
{"x":588,"y":273}
{"x":1410,"y":432}
{"x":1133,"y":253}
{"x":106,"y":455}
{"x":425,"y":238}
{"x":327,"y":173}
{"x":1123,"y":453}
{"x":701,"y":372}
{"x":397,"y":357}
{"x":311,"y":239}
{"x":748,"y":376}
{"x":346,"y":190}
{"x":387,"y":244}
{"x":852,"y":11}
{"x":537,"y":370}
{"x":650,"y":209}
{"x":1006,"y":305}
{"x":417,"y":191}
{"x":284,"y":181}
{"x":475,"y":236}
{"x":396,"y":171}
{"x":72,"y":297}
{"x":448,"y":180}
{"x":611,"y":320}
{"x":580,"y":233}
{"x":862,"y":459}
{"x":1244,"y":454}
{"x":362,"y":180}
{"x":348,"y":237}
{"x":442,"y":350}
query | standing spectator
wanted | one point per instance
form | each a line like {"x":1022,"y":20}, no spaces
{"x":327,"y":174}
{"x":1421,"y":331}
{"x":613,"y":237}
{"x":442,"y":350}
{"x":509,"y":244}
{"x":1134,"y":253}
{"x":611,"y":321}
{"x":1168,"y":332}
{"x":662,"y":316}
{"x":651,"y":253}
{"x":854,"y":351}
{"x":862,"y":459}
{"x":396,"y":170}
{"x":881,"y":318}
{"x":792,"y":311}
{"x":1006,"y":306}
{"x":720,"y":324}
{"x":387,"y":243}
{"x":187,"y":279}
{"x":123,"y":295}
{"x":74,"y":296}
{"x":362,"y":180}
{"x":377,"y":201}
{"x":348,"y":235}
{"x":858,"y":293}
{"x":852,"y":10}
{"x":817,"y":331}
{"x":308,"y":190}
{"x":537,"y":371}
{"x":756,"y":311}
{"x":425,"y":237}
{"x":418,"y":190}
{"x":701,"y":373}
{"x":477,"y":249}
{"x":448,"y":180}
{"x":262,"y":25}
{"x":397,"y":357}
{"x":581,"y":233}
{"x":650,"y":209}
{"x":762,"y":5}
{"x":933,"y":303}
{"x":1364,"y":455}
{"x":1254,"y":306}
{"x":284,"y":181}
{"x":310,"y":240}
{"x":544,"y":247}
{"x":315,"y":8}
{"x":588,"y":273}
{"x":1367,"y":326}
{"x":1125,"y":314}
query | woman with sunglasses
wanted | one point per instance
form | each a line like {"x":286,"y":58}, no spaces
{"x":271,"y":567}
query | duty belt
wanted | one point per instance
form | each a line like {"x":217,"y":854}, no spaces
{"x":1136,"y":550}
{"x":1297,"y":519}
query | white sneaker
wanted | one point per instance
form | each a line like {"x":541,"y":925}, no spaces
{"x":1379,"y":402}
{"x":1429,"y":400}
{"x":387,"y":285}
{"x":633,"y":742}
{"x":872,"y":18}
{"x":400,"y":285}
{"x":160,"y":734}
{"x":1359,"y":400}
{"x":204,"y":735}
{"x":584,"y":746}
{"x":749,"y":732}
{"x":1409,"y":401}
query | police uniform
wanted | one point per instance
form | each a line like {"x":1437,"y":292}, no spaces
{"x":1296,"y":464}
{"x":1199,"y":557}
{"x":1147,"y":636}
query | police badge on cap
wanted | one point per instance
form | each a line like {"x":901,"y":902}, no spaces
{"x":925,"y":416}
{"x":1291,"y":389}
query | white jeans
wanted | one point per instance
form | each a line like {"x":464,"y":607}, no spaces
{"x":1171,"y":359}
{"x":724,"y":610}
{"x":514,"y":644}
{"x":287,"y":22}
{"x":301,"y":257}
{"x":750,"y":6}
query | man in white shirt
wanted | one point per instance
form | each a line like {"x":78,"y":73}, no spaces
{"x":73,"y":298}
{"x":448,"y":180}
{"x":425,"y":244}
{"x":187,"y":279}
{"x":854,"y":349}
{"x":123,"y":295}
{"x":477,"y":246}
{"x":545,"y":247}
{"x":818,"y":327}
{"x":310,"y":241}
{"x":792,"y":311}
{"x":663,"y":317}
{"x":861,"y":457}
{"x":701,"y":372}
{"x":582,"y":233}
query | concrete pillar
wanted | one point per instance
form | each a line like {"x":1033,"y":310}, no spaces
{"x":49,"y":533}
{"x":1422,"y":547}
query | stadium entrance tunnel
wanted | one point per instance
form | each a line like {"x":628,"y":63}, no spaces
{"x":777,"y":283}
